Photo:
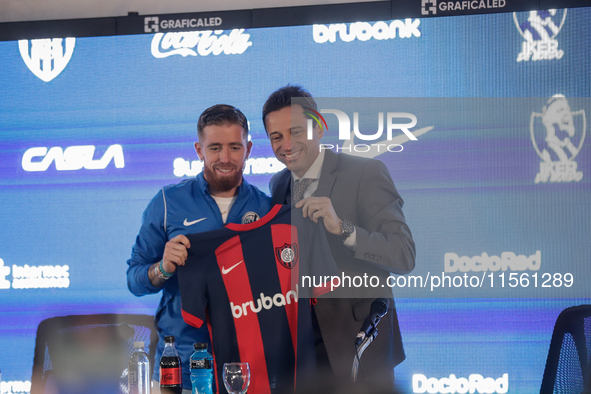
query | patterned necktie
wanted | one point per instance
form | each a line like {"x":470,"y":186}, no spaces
{"x":299,"y":188}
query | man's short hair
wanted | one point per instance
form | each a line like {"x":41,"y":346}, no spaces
{"x":221,"y":114}
{"x":281,"y":98}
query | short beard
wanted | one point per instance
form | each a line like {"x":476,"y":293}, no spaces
{"x":221,"y":184}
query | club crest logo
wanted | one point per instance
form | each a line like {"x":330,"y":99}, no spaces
{"x":250,"y":217}
{"x":557,"y":134}
{"x":48,"y":57}
{"x":539,"y":30}
{"x":287,"y":255}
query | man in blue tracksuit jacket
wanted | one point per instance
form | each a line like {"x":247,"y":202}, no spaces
{"x":218,"y":195}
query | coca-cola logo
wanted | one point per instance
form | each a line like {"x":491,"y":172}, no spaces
{"x":200,"y":43}
{"x":170,"y":376}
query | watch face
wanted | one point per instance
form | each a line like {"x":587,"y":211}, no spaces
{"x":347,"y":229}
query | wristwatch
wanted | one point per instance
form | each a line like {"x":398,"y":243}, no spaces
{"x":347,"y":229}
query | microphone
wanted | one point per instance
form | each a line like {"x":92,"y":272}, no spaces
{"x":378,"y":309}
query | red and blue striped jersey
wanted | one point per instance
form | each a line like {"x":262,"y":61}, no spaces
{"x":243,"y":280}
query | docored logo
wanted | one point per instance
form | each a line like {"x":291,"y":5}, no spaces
{"x":484,"y":262}
{"x":264,"y":302}
{"x":474,"y":383}
{"x":71,"y":158}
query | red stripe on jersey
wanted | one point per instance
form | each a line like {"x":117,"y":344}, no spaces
{"x":259,"y":223}
{"x":192,"y":320}
{"x":325,"y":287}
{"x":286,"y":247}
{"x":230,"y":260}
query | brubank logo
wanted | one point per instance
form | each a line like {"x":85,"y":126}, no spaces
{"x":264,"y":301}
{"x":475,"y":383}
{"x":557,"y":135}
{"x":71,"y":158}
{"x":200,"y":43}
{"x":47,"y":58}
{"x":364,"y":31}
{"x":539,"y":32}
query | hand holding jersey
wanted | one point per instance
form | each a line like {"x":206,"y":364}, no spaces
{"x":321,"y":207}
{"x":175,"y":254}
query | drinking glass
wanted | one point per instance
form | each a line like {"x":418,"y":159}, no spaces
{"x":236,"y":377}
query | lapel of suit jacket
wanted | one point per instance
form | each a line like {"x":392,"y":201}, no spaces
{"x":327,"y":179}
{"x":282,"y":189}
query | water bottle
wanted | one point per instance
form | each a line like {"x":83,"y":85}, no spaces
{"x":138,"y":371}
{"x":171,"y":377}
{"x":201,"y":369}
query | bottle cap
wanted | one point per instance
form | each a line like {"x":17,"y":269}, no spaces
{"x":138,"y":345}
{"x":199,"y":346}
{"x":169,"y":339}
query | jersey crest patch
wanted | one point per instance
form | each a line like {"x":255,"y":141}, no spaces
{"x":287,"y":255}
{"x":250,"y":217}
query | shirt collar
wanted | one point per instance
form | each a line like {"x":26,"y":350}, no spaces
{"x":314,"y":170}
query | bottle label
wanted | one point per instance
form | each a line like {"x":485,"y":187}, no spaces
{"x":132,"y":377}
{"x":169,"y":376}
{"x":201,"y":363}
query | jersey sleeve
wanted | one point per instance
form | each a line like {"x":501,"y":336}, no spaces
{"x":148,"y":248}
{"x":193,"y":286}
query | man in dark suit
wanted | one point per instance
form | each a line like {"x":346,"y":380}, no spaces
{"x":359,"y":205}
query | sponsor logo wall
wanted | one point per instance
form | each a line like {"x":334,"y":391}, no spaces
{"x":495,"y":181}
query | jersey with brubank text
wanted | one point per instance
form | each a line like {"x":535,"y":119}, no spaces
{"x":244,"y":281}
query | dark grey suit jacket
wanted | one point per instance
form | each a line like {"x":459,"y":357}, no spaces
{"x":362,"y":191}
